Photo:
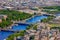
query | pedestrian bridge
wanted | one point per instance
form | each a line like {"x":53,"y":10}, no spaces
{"x":6,"y":30}
{"x":48,"y":14}
{"x":22,"y":22}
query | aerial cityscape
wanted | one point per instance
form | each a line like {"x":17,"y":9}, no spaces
{"x":29,"y":19}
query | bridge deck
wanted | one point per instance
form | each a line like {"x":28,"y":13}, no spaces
{"x":21,"y":22}
{"x":8,"y":30}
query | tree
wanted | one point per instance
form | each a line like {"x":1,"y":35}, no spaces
{"x":35,"y":27}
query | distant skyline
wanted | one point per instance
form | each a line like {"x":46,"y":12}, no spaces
{"x":39,"y":2}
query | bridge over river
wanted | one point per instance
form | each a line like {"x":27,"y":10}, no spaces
{"x":23,"y":22}
{"x":6,"y":30}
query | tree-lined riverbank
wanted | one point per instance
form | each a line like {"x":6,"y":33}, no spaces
{"x":13,"y":15}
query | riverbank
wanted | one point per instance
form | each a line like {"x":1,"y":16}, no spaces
{"x":23,"y":21}
{"x":12,"y":15}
